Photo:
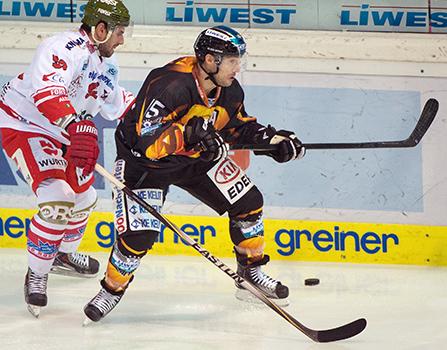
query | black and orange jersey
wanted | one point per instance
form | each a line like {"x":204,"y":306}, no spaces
{"x":168,"y":99}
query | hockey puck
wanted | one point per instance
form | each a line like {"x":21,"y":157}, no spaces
{"x":311,"y":281}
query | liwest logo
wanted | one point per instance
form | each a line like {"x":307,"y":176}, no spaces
{"x":325,"y":241}
{"x":239,"y":12}
{"x":381,"y":16}
{"x":40,"y":9}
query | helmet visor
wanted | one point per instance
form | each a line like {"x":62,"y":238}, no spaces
{"x":234,"y":63}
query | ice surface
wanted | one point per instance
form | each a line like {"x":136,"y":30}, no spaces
{"x":186,"y":303}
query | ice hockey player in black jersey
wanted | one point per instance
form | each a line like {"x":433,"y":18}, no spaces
{"x":178,"y":132}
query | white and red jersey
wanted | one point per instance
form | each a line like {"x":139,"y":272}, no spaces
{"x":66,"y":76}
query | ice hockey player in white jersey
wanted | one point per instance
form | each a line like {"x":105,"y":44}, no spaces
{"x":45,"y":120}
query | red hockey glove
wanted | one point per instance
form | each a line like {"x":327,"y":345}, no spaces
{"x":289,"y":146}
{"x":83,"y":150}
{"x":200,"y":134}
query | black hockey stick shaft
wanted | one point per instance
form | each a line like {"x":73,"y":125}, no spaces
{"x":323,"y":336}
{"x":428,"y":114}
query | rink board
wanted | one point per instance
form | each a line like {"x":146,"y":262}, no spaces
{"x":286,"y":239}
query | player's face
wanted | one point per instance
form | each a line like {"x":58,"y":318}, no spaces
{"x":116,"y":39}
{"x":228,"y":69}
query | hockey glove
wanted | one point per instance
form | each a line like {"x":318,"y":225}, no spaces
{"x":289,"y":146}
{"x":200,"y":135}
{"x":83,"y":150}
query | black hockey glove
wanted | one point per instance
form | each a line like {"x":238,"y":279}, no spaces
{"x":201,"y":136}
{"x":289,"y":146}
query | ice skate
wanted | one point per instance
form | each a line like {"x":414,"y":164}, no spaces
{"x":75,"y":265}
{"x":253,"y":274}
{"x":35,"y":289}
{"x":104,"y":302}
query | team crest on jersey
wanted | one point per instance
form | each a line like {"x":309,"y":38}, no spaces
{"x":59,"y":63}
{"x":92,"y":91}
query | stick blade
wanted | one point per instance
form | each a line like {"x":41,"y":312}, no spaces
{"x":426,"y":119}
{"x":343,"y":332}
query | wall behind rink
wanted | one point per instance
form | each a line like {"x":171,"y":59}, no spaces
{"x":338,"y":87}
{"x":428,"y":16}
{"x":286,"y":239}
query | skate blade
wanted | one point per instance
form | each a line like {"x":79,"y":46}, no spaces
{"x":245,"y":296}
{"x":62,"y":271}
{"x":34,"y":310}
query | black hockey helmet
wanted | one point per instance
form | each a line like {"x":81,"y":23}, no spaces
{"x":219,"y":41}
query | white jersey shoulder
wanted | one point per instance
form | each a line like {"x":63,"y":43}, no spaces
{"x":66,"y":76}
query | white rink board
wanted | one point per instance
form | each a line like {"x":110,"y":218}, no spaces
{"x":297,"y":80}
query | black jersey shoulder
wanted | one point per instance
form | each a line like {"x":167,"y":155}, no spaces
{"x":173,"y":81}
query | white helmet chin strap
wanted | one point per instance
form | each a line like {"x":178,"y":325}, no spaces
{"x":97,"y":42}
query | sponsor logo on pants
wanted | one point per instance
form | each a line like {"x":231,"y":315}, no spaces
{"x":230,"y":180}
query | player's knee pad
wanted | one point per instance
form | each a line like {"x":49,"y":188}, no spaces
{"x":137,"y":243}
{"x":55,"y":200}
{"x":251,"y":202}
{"x":85,"y":202}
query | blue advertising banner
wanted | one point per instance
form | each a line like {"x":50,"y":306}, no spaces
{"x":62,"y":11}
{"x":425,"y":16}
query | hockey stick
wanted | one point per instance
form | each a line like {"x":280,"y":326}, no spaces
{"x":427,"y":116}
{"x":322,"y":336}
